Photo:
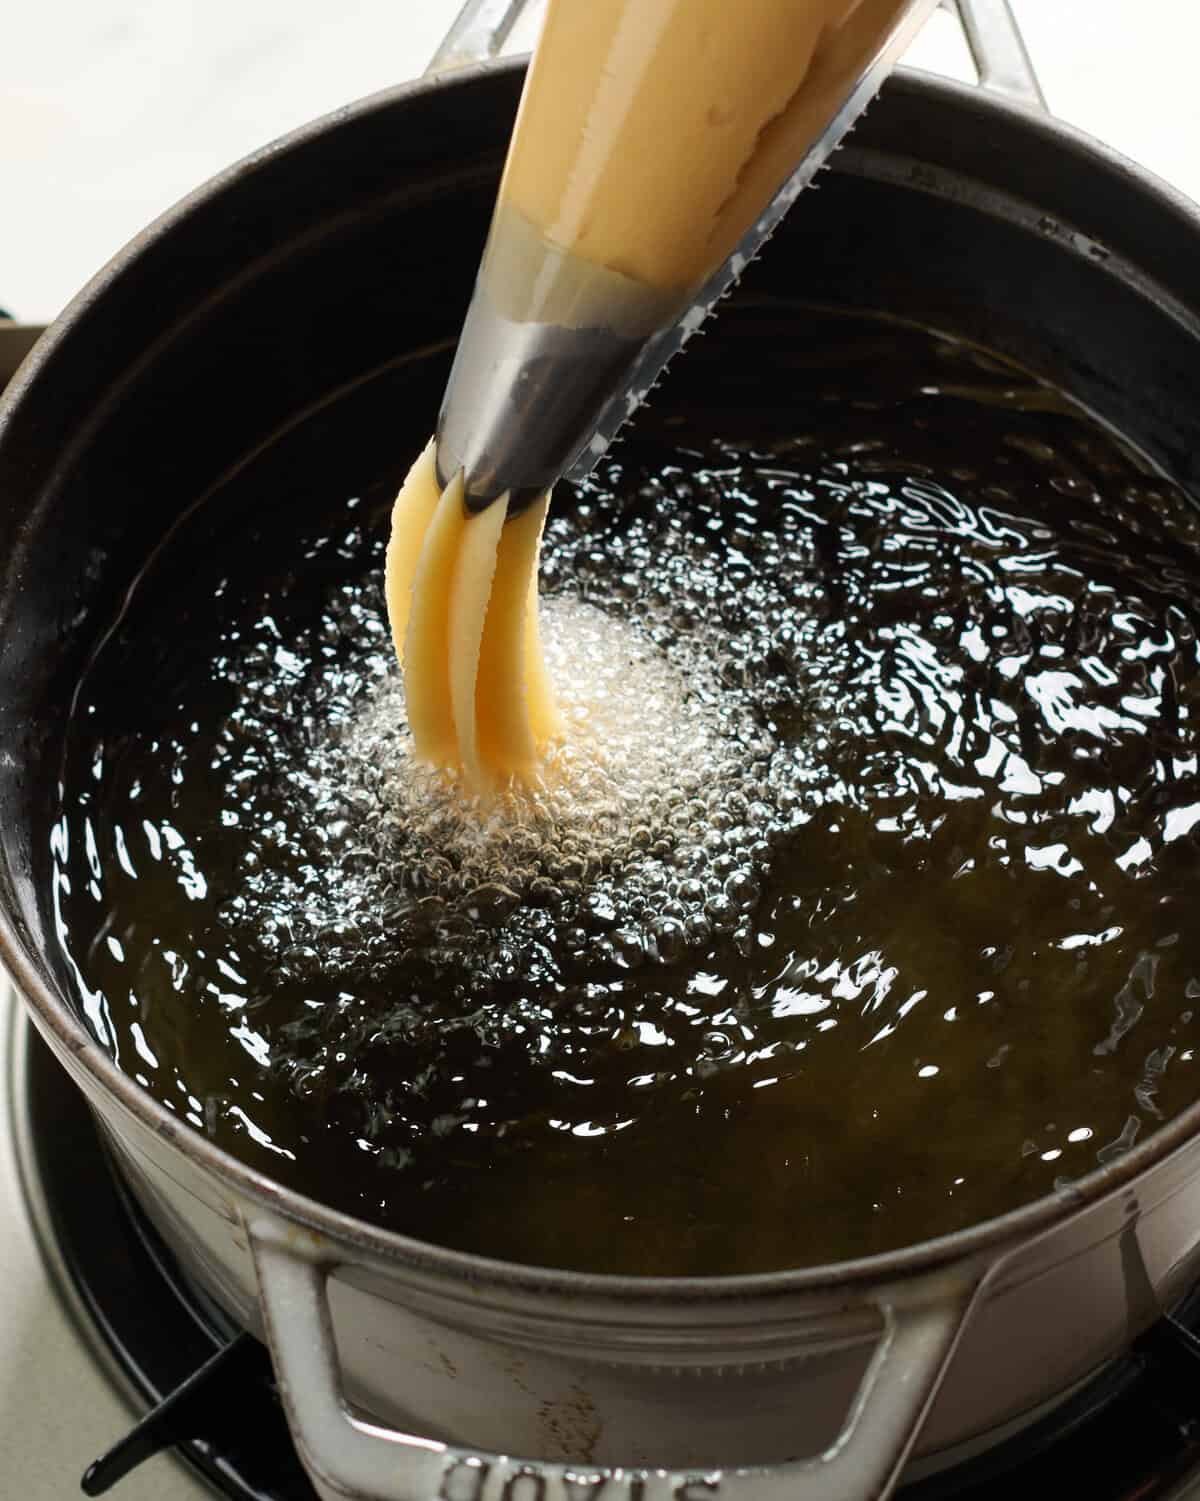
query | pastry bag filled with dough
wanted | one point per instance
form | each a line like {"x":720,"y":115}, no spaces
{"x":656,"y":144}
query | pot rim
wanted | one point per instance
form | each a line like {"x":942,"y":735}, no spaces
{"x":70,"y":1037}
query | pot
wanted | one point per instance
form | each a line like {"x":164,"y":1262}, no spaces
{"x":266,"y":311}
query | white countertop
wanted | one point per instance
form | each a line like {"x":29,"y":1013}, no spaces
{"x":109,"y":112}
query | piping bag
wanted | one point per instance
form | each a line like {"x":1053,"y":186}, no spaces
{"x":656,"y":146}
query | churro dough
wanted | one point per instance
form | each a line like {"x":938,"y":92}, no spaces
{"x":651,"y":133}
{"x":463,"y":605}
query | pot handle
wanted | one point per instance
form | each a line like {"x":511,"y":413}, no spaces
{"x":478,"y":33}
{"x":353,"y":1458}
{"x":998,"y":51}
{"x":997,"y":48}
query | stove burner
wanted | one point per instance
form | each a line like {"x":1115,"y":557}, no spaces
{"x":1131,"y":1434}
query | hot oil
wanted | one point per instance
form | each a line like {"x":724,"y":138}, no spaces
{"x":854,"y":910}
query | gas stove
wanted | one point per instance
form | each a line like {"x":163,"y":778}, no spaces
{"x":111,"y":1365}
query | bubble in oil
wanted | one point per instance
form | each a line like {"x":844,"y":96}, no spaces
{"x":646,"y":838}
{"x":636,"y":833}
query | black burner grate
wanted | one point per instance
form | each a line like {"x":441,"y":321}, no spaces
{"x":1130,"y":1435}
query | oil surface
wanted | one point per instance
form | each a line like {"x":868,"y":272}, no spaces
{"x":855,"y":908}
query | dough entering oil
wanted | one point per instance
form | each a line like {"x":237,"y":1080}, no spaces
{"x":463,"y":605}
{"x":650,"y":135}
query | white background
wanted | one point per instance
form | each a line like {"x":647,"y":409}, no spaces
{"x":110,"y":110}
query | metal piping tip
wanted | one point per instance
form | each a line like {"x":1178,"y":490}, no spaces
{"x":547,"y":340}
{"x":522,"y":402}
{"x":477,"y":498}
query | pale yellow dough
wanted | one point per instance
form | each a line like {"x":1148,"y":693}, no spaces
{"x":462,"y":601}
{"x":652,"y":133}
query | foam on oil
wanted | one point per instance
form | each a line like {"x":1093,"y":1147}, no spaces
{"x":853,"y":908}
{"x":607,"y":860}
